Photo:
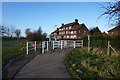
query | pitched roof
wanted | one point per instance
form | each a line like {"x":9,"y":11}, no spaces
{"x":118,"y":27}
{"x":55,"y":31}
{"x":69,"y":24}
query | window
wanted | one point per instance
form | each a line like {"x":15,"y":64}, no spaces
{"x":84,"y":32}
{"x":66,"y":32}
{"x":79,"y":37}
{"x":71,"y":32}
{"x":74,"y":32}
{"x":74,"y":36}
{"x":70,"y":27}
{"x":59,"y":29}
{"x":64,"y":36}
{"x":62,"y":28}
{"x":66,"y":27}
{"x":67,"y":36}
{"x":71,"y":37}
{"x":60,"y":33}
{"x":112,"y":32}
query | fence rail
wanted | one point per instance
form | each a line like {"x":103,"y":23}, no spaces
{"x":46,"y":45}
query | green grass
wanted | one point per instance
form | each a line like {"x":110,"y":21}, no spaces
{"x":12,"y":48}
{"x":83,"y":64}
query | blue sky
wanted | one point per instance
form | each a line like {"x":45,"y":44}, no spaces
{"x":47,"y":14}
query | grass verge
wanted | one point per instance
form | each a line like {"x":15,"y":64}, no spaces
{"x":12,"y":48}
{"x":83,"y":64}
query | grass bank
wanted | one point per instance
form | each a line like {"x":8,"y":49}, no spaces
{"x":12,"y":48}
{"x":83,"y":64}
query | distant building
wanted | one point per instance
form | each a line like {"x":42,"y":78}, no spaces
{"x":115,"y":31}
{"x":104,"y":33}
{"x":72,"y":30}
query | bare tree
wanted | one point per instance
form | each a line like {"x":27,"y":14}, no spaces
{"x":12,"y":30}
{"x":112,"y":12}
{"x":44,"y":36}
{"x":27,"y":31}
{"x":4,"y":31}
{"x":18,"y":32}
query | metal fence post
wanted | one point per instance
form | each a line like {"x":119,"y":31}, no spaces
{"x":53,"y":44}
{"x":35,"y":45}
{"x":47,"y":45}
{"x":27,"y":48}
{"x":61,"y":44}
{"x":74,"y":44}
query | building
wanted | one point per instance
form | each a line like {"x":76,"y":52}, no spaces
{"x":72,"y":30}
{"x":115,"y":31}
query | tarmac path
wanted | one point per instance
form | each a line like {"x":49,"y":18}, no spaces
{"x":50,"y":65}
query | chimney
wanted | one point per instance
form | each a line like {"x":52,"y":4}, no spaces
{"x":76,"y":20}
{"x":62,"y":24}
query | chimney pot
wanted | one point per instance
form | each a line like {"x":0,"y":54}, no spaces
{"x":76,"y":20}
{"x":62,"y":24}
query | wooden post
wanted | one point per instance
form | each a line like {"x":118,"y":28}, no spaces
{"x":88,"y":42}
{"x":82,"y":43}
{"x":35,"y":45}
{"x":47,"y":45}
{"x":53,"y":44}
{"x":61,"y":44}
{"x":27,"y":48}
{"x":43,"y":44}
{"x":74,"y":44}
{"x":108,"y":50}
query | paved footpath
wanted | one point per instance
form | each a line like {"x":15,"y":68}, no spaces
{"x":50,"y":65}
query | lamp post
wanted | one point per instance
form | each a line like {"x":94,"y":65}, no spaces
{"x":54,"y":35}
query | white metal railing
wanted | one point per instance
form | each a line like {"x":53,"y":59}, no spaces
{"x":46,"y":45}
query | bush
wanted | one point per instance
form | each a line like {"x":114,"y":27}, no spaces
{"x":100,"y":41}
